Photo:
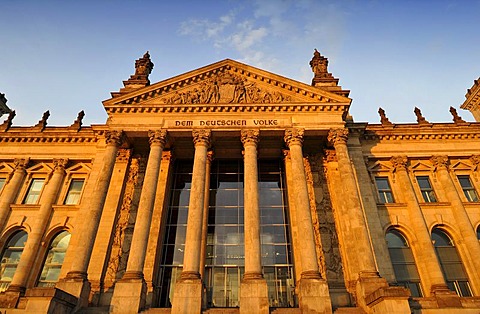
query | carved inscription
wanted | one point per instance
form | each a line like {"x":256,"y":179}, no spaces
{"x":226,"y":88}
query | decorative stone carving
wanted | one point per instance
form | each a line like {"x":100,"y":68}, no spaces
{"x":439,"y":161}
{"x":319,"y":65}
{"x":337,"y":136}
{"x":330,"y":155}
{"x":249,"y":137}
{"x":114,"y":137}
{"x":157,"y":137}
{"x":456,"y":118}
{"x":225,"y":88}
{"x":332,"y":267}
{"x":20,"y":163}
{"x":383,"y":118}
{"x":144,"y":66}
{"x":294,"y":136}
{"x":77,"y":124}
{"x":59,"y":164}
{"x":43,"y":122}
{"x":420,"y":118}
{"x":399,"y":162}
{"x":120,"y":248}
{"x":201,"y":137}
{"x":8,"y":122}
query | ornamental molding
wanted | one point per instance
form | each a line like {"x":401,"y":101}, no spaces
{"x":441,"y":162}
{"x":440,"y":131}
{"x":222,"y":84}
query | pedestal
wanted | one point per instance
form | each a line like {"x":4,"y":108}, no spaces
{"x":128,"y":296}
{"x":313,"y":296}
{"x":187,"y":297}
{"x":78,"y":287}
{"x":254,"y":296}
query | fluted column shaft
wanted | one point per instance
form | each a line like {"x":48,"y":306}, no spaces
{"x":95,"y":207}
{"x":462,"y":220}
{"x":253,"y":252}
{"x":193,"y":241}
{"x":32,"y":246}
{"x":11,"y":189}
{"x":294,"y":140}
{"x":203,"y":252}
{"x":364,"y":262}
{"x":138,"y":250}
{"x":426,"y":254}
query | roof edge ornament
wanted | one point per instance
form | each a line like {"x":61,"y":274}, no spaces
{"x":143,"y":68}
{"x":322,"y":78}
{"x":472,"y":100}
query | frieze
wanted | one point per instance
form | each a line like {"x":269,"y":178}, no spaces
{"x":227,"y":123}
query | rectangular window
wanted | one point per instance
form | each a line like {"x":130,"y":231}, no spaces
{"x":426,"y":189}
{"x":34,"y":191}
{"x":74,"y":192}
{"x":385,"y":194}
{"x":468,"y":188}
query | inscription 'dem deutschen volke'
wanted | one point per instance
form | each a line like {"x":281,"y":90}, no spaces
{"x":228,"y":123}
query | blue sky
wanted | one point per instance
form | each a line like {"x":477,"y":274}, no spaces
{"x":67,"y":56}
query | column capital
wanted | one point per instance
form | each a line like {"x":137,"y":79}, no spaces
{"x":439,"y":162}
{"x":210,"y":156}
{"x":250,"y":137}
{"x":201,"y":137}
{"x":294,"y":136}
{"x":157,"y":137}
{"x":399,"y":162}
{"x":114,"y":137}
{"x":337,"y":136}
{"x":329,"y":155}
{"x":20,"y":163}
{"x":59,"y":164}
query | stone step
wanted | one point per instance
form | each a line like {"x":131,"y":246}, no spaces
{"x":286,"y":310}
{"x":222,"y":311}
{"x":349,"y":310}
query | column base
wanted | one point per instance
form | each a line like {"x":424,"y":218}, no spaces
{"x":77,"y":285}
{"x":187,"y":297}
{"x":9,"y":299}
{"x":392,"y":300}
{"x":254,"y":296}
{"x":313,"y":296}
{"x":445,"y":297}
{"x":128,"y":296}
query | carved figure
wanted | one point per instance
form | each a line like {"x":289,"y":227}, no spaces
{"x":456,"y":117}
{"x":144,"y":65}
{"x":383,"y":118}
{"x":420,"y":118}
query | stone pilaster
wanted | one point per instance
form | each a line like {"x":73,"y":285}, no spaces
{"x":312,"y":289}
{"x":76,"y":282}
{"x":464,"y":225}
{"x":10,"y":191}
{"x":253,"y":290}
{"x":188,"y":290}
{"x":130,"y":291}
{"x":431,"y":274}
{"x":32,"y":246}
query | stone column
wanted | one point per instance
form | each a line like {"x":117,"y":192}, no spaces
{"x":76,"y":282}
{"x":372,"y":291}
{"x":203,"y":252}
{"x":312,"y":290}
{"x":35,"y":237}
{"x":463,"y":223}
{"x":130,"y":291}
{"x":427,"y":263}
{"x":253,"y":290}
{"x":10,"y":191}
{"x":188,"y":290}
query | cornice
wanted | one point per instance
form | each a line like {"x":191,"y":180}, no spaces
{"x":472,"y":98}
{"x":234,"y":108}
{"x":415,"y":132}
{"x":49,"y":135}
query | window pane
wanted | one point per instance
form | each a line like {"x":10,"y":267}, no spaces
{"x":2,"y":183}
{"x":74,"y":192}
{"x":426,"y":188}
{"x":384,"y":191}
{"x":34,"y":190}
{"x":54,"y":260}
{"x":468,"y":189}
{"x":10,"y":258}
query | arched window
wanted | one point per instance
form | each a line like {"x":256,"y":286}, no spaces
{"x":451,"y":263}
{"x":403,"y":262}
{"x":54,"y":261}
{"x":11,"y":257}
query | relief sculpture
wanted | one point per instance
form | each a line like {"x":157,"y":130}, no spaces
{"x":226,"y":88}
{"x":326,"y":222}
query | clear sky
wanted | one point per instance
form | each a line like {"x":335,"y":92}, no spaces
{"x":65,"y":56}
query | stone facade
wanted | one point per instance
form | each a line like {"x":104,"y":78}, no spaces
{"x":329,"y":215}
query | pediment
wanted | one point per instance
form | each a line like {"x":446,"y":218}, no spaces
{"x":380,"y":166}
{"x":40,"y":168}
{"x":5,"y":167}
{"x":78,"y":168}
{"x":421,"y":166}
{"x":226,"y":82}
{"x":460,"y":165}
